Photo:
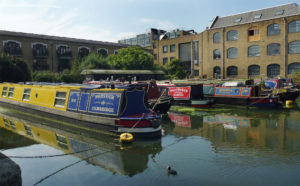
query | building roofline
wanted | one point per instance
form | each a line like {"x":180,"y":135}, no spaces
{"x":258,"y":10}
{"x":280,"y":17}
{"x":58,"y":38}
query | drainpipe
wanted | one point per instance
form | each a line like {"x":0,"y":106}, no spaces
{"x":223,"y":53}
{"x":285,"y":48}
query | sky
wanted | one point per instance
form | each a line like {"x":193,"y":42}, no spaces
{"x":112,"y":20}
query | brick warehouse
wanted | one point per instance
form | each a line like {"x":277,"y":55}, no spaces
{"x":260,"y":43}
{"x":43,"y":52}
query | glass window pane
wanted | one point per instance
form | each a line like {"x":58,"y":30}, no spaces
{"x":273,"y":29}
{"x":232,"y":71}
{"x":232,"y":53}
{"x":294,"y":47}
{"x":172,"y":48}
{"x":4,"y":91}
{"x":232,"y":35}
{"x":273,"y":49}
{"x":217,"y":54}
{"x":217,"y":37}
{"x":294,"y":67}
{"x":253,"y":70}
{"x":254,"y":51}
{"x":294,"y":26}
{"x":273,"y":70}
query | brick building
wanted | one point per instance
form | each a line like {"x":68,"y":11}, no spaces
{"x":260,"y":43}
{"x":43,"y":52}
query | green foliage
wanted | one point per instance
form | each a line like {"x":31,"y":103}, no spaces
{"x":175,"y":69}
{"x":131,"y":58}
{"x":44,"y":76}
{"x":94,"y":61}
{"x":13,"y":69}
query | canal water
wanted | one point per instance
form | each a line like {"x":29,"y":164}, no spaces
{"x":217,"y":146}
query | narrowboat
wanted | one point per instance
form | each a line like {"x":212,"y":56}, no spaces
{"x":112,"y":109}
{"x":283,"y":87}
{"x":184,"y":94}
{"x":155,"y":101}
{"x":243,"y":96}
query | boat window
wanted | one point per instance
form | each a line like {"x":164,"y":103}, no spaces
{"x":28,"y":130}
{"x":62,"y":141}
{"x":12,"y":124}
{"x":11,"y":92}
{"x":6,"y":122}
{"x":26,"y":95}
{"x":4,"y":91}
{"x":60,"y":99}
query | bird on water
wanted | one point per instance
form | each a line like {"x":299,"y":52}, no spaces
{"x":171,"y":171}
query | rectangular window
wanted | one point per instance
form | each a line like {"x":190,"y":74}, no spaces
{"x":6,"y":122}
{"x":165,"y":61}
{"x":237,"y":20}
{"x":172,"y":48}
{"x":4,"y":91}
{"x":60,"y":99}
{"x":154,"y":45}
{"x":26,"y":94}
{"x":196,"y":72}
{"x":155,"y":56}
{"x":257,"y":16}
{"x":165,"y":49}
{"x":280,"y":12}
{"x":11,"y":92}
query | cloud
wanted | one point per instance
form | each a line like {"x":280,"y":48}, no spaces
{"x":45,"y":17}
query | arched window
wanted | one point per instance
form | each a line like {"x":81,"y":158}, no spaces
{"x":232,"y":35}
{"x":273,"y":29}
{"x":232,"y":71}
{"x":103,"y":52}
{"x":39,"y":50}
{"x":273,"y":70}
{"x":232,"y":53}
{"x":217,"y":37}
{"x":273,"y":49}
{"x":294,"y":47}
{"x":254,"y":51}
{"x":83,"y":51}
{"x":217,"y":72}
{"x":253,"y":70}
{"x":294,"y":67}
{"x":217,"y":54}
{"x":63,"y":51}
{"x":294,"y":26}
{"x":12,"y":47}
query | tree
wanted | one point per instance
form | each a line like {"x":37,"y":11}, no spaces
{"x":13,"y":69}
{"x":131,"y":58}
{"x":94,"y":61}
{"x":175,"y":69}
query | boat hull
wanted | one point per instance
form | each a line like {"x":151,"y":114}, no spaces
{"x":107,"y":125}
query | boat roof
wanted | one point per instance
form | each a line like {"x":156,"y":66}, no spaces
{"x":129,"y":72}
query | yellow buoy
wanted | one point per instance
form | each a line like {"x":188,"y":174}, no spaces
{"x":288,"y":102}
{"x":126,"y":138}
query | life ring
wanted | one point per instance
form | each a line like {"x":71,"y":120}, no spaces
{"x":126,"y":138}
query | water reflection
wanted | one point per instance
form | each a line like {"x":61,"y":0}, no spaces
{"x":276,"y":131}
{"x":96,"y":149}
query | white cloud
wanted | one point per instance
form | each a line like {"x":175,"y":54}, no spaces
{"x":45,"y":17}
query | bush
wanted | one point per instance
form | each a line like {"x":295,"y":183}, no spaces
{"x":175,"y":69}
{"x":44,"y":76}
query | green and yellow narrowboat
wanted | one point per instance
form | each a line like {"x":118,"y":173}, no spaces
{"x":108,"y":108}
